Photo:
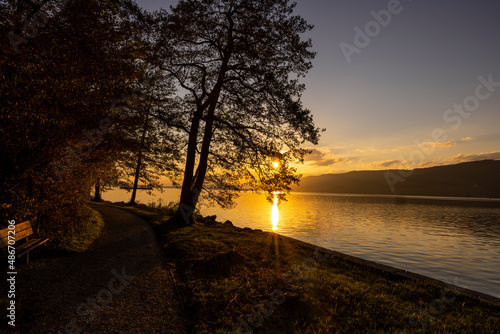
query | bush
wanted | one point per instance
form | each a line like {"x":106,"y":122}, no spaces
{"x":165,"y":210}
{"x":80,"y":236}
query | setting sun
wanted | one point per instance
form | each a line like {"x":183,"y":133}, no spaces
{"x":276,"y":164}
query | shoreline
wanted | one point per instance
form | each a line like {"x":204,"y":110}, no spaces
{"x":396,"y":196}
{"x":405,"y":273}
{"x":417,"y":197}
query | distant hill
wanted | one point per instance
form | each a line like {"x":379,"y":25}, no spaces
{"x":470,"y":179}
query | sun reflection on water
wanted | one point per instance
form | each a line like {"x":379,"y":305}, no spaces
{"x":275,"y":214}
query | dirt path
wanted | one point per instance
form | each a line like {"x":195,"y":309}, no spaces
{"x":120,"y":285}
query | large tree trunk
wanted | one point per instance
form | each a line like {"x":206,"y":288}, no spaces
{"x":184,"y":214}
{"x":97,"y":194}
{"x":139,"y":160}
{"x":191,"y":158}
{"x":205,"y":149}
{"x":186,"y":208}
{"x":192,"y":185}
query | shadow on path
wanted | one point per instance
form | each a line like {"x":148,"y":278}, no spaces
{"x":121,"y":285}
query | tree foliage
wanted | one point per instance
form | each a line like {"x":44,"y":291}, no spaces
{"x":63,"y":94}
{"x":157,"y":153}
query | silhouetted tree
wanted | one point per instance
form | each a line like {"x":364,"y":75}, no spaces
{"x":239,"y":62}
{"x":156,"y":152}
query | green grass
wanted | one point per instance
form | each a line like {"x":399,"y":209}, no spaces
{"x":79,"y":239}
{"x":276,"y":284}
{"x":155,"y":213}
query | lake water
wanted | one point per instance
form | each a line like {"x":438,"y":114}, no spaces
{"x":442,"y":238}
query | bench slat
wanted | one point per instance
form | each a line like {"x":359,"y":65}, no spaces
{"x":19,"y":227}
{"x":23,"y":230}
{"x":30,"y":245}
{"x":26,"y":245}
{"x":23,"y":234}
{"x":19,"y":236}
{"x":4,"y":233}
{"x":23,"y":226}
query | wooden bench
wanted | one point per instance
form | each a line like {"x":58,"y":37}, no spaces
{"x":23,"y":231}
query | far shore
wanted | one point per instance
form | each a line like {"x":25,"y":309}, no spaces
{"x":423,"y":197}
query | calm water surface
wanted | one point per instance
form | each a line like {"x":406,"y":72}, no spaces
{"x":447,"y":240}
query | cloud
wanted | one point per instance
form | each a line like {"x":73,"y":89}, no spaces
{"x":398,"y":164}
{"x":368,"y":150}
{"x":473,"y":157}
{"x":405,"y":164}
{"x":390,"y":164}
{"x":426,"y":146}
{"x":319,"y":158}
{"x":439,"y":145}
{"x":385,"y":164}
{"x":468,"y":139}
{"x":426,"y":164}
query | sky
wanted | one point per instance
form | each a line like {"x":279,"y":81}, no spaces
{"x":400,"y":84}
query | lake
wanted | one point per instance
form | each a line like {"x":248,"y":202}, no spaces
{"x":443,"y":238}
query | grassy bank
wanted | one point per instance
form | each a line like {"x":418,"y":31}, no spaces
{"x":79,"y":239}
{"x":239,"y":280}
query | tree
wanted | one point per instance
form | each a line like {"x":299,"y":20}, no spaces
{"x":240,"y":62}
{"x":140,"y":153}
{"x":62,"y":97}
{"x":157,"y":153}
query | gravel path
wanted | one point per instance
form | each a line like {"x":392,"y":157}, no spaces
{"x":121,"y":285}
